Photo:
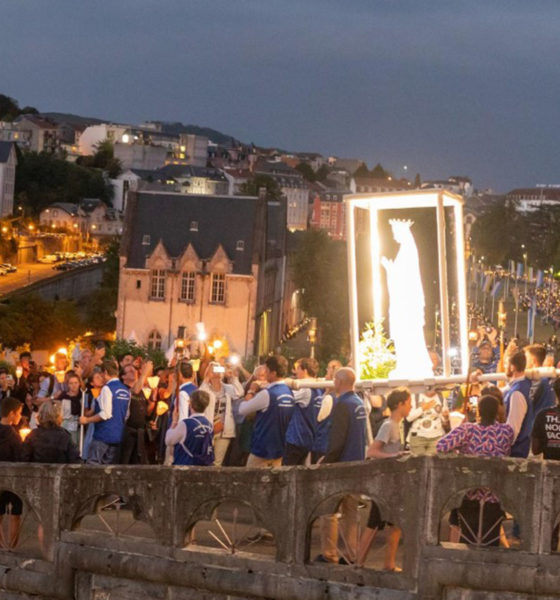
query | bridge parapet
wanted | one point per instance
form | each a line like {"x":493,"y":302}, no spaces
{"x":158,"y":562}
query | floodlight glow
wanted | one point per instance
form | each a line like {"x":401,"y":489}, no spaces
{"x":435,"y":199}
{"x":406,"y":305}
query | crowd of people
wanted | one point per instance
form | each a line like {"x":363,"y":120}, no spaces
{"x":105,"y":412}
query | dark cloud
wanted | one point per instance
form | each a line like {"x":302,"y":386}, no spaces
{"x":445,"y":87}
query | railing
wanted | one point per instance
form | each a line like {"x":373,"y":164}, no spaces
{"x":83,"y":543}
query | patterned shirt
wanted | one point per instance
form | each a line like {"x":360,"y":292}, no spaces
{"x":479,"y":440}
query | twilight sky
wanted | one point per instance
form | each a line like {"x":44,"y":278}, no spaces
{"x":448,"y":87}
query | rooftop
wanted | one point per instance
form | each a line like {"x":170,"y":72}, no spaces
{"x":220,"y":220}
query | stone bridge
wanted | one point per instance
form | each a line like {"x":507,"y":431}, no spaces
{"x":164,"y":503}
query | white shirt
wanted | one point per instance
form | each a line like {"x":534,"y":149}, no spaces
{"x":105,"y":401}
{"x":178,"y":434}
{"x":517,"y":408}
{"x":260,"y":401}
{"x":184,"y":403}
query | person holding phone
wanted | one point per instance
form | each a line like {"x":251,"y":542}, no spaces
{"x":220,"y":409}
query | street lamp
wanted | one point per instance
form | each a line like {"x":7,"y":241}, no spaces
{"x":525,"y":269}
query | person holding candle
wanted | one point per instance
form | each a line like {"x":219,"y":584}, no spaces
{"x":71,"y":401}
{"x":10,"y":451}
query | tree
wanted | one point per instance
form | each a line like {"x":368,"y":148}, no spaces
{"x":307,"y":172}
{"x":378,"y":172}
{"x":319,"y":267}
{"x":103,"y":159}
{"x":253,"y":186}
{"x":9,"y":109}
{"x":45,"y":324}
{"x":362,"y":171}
{"x":322,"y":173}
{"x":100,"y":306}
{"x":42,"y":179}
{"x":417,"y":181}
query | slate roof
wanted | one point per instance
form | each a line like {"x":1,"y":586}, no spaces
{"x":5,"y":149}
{"x":167,"y":217}
{"x":71,"y":209}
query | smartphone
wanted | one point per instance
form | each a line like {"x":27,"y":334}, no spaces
{"x":219,"y":370}
{"x":473,"y":400}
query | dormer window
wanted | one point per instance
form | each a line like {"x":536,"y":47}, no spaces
{"x":146,"y":240}
{"x":194,"y":226}
{"x":240,"y":246}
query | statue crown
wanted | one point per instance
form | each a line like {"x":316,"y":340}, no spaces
{"x":402,"y":223}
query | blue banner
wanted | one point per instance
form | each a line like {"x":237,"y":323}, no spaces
{"x":519,"y":269}
{"x":540,"y":278}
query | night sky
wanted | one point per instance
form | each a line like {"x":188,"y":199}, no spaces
{"x":446,"y":88}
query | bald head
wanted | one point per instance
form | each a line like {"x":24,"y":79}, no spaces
{"x":344,"y":380}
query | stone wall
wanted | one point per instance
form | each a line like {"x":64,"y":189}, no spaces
{"x":65,"y":285}
{"x":413,"y":493}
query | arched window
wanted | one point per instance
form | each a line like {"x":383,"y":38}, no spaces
{"x":154,"y":341}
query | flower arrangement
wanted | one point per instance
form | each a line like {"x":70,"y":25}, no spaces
{"x":377,"y":352}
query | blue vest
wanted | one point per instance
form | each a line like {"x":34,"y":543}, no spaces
{"x":522,"y":443}
{"x":322,"y":429}
{"x":270,"y":426}
{"x":110,"y":431}
{"x":301,"y":430}
{"x":197,"y":449}
{"x":356,"y":439}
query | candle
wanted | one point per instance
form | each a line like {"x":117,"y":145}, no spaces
{"x":153,"y":381}
{"x":161,"y":408}
{"x":24,"y":432}
{"x":147,"y":392}
{"x":19,"y":372}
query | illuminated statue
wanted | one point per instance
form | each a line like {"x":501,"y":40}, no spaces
{"x":406,"y":306}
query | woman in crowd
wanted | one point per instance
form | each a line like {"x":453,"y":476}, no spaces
{"x":50,"y":443}
{"x":71,"y":403}
{"x":220,"y":409}
{"x":478,"y":519}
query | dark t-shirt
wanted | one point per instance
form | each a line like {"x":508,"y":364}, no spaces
{"x":547,"y":430}
{"x":10,"y":444}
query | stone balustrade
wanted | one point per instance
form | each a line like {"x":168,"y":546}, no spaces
{"x":413,"y":493}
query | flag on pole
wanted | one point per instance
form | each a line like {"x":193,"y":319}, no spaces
{"x":496,"y":290}
{"x":511,"y":266}
{"x":540,"y":278}
{"x":530,"y":274}
{"x":519,"y":270}
{"x":531,"y":316}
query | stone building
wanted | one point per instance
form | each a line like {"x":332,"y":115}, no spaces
{"x":8,"y":163}
{"x":188,"y":259}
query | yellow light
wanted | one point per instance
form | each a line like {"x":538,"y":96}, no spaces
{"x":211,"y":349}
{"x":19,"y":372}
{"x":59,"y":376}
{"x":195,"y":362}
{"x":153,"y":381}
{"x":234,"y":359}
{"x":4,"y":229}
{"x":52,"y":226}
{"x":24,"y":432}
{"x":75,"y":225}
{"x":183,"y":148}
{"x":62,"y":351}
{"x":217,"y":344}
{"x":161,"y":408}
{"x":403,"y":200}
{"x":31,"y":227}
{"x":147,"y":392}
{"x":94,"y":227}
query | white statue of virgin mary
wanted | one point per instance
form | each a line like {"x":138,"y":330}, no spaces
{"x":406,"y":306}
